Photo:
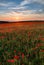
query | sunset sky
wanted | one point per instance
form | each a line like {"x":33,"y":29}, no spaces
{"x":20,"y":10}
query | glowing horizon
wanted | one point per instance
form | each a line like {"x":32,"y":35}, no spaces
{"x":20,"y":10}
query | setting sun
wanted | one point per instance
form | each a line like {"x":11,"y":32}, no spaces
{"x":17,"y":18}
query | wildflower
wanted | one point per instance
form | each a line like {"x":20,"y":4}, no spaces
{"x":2,"y":37}
{"x":42,"y":39}
{"x":10,"y":60}
{"x":16,"y":57}
{"x":19,"y":53}
{"x":42,"y":50}
{"x":15,"y":51}
{"x":22,"y":55}
{"x":38,"y":45}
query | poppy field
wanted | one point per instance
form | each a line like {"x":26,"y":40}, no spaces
{"x":22,"y":47}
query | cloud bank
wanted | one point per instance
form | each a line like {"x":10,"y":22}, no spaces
{"x":26,"y":9}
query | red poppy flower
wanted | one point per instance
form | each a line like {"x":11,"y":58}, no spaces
{"x":41,"y":39}
{"x":42,"y":50}
{"x":38,"y":45}
{"x":15,"y":51}
{"x":22,"y":55}
{"x":16,"y":57}
{"x":10,"y":60}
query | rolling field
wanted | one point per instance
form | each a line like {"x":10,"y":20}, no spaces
{"x":22,"y":43}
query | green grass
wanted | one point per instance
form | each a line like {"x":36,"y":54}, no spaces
{"x":23,"y":47}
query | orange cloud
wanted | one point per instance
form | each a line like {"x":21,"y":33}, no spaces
{"x":21,"y":17}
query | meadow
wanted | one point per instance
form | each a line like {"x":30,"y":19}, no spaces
{"x":22,"y":43}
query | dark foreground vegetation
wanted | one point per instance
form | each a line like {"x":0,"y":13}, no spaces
{"x":25,"y":47}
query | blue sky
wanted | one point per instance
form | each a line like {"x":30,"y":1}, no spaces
{"x":21,"y":9}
